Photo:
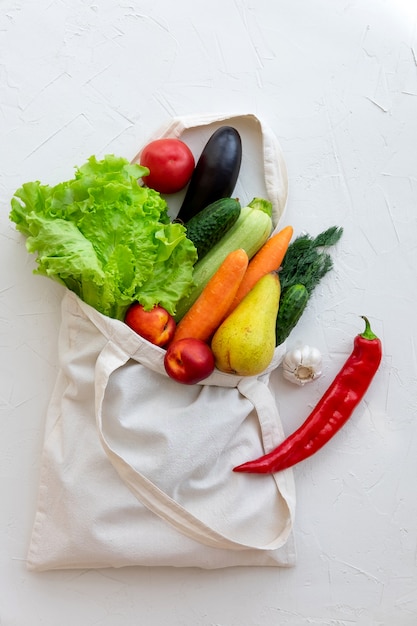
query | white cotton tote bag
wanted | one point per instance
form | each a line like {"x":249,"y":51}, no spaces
{"x":137,"y":469}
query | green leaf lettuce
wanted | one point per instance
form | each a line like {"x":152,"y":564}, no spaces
{"x":106,"y":238}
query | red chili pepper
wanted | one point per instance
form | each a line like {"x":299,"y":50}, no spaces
{"x":332,"y":411}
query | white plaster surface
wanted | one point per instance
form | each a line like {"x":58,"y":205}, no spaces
{"x":337,"y":82}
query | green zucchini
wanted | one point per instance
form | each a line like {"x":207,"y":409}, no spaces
{"x":250,"y":231}
{"x":208,"y":226}
{"x":293,"y":301}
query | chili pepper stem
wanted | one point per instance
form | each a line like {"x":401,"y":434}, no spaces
{"x":367,"y":333}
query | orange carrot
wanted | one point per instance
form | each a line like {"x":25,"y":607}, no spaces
{"x":266,"y":260}
{"x":210,"y":308}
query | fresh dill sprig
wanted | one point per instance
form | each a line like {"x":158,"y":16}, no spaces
{"x":306,"y":261}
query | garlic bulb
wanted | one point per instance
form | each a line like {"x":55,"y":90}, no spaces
{"x":302,"y":365}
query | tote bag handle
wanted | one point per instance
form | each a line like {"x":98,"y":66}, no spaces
{"x":275,"y":170}
{"x":113,"y":357}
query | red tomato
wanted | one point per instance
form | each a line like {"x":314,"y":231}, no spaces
{"x":170,"y":163}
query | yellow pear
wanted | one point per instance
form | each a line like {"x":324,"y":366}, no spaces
{"x":244,"y":343}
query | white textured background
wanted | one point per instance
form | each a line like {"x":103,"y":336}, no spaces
{"x":337,"y":82}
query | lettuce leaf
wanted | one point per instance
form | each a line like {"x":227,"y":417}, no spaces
{"x":106,"y":238}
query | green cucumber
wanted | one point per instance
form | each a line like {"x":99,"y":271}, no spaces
{"x":250,"y":231}
{"x":208,"y":226}
{"x":293,"y":301}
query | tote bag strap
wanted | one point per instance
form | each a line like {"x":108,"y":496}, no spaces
{"x":110,"y":359}
{"x":275,"y":170}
